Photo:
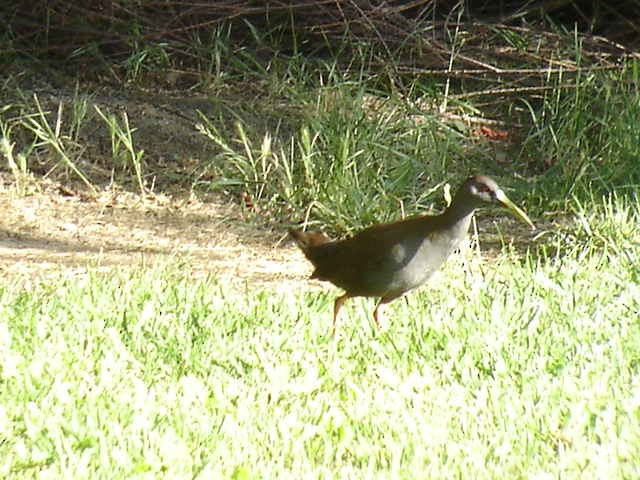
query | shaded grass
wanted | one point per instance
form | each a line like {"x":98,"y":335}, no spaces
{"x":344,"y":147}
{"x":353,"y":154}
{"x":514,"y":368}
{"x":588,"y":138}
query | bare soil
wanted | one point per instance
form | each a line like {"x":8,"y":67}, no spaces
{"x":51,"y":232}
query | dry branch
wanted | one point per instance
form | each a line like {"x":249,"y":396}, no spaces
{"x":409,"y":36}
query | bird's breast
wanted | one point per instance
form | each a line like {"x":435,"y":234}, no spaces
{"x":415,"y":264}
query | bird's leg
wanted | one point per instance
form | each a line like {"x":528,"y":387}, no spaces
{"x":378,"y":312}
{"x":336,"y":309}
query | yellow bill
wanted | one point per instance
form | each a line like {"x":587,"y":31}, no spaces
{"x":504,"y":200}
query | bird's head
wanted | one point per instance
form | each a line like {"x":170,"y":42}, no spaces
{"x":480,"y":189}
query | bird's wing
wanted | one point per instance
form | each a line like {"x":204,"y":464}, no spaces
{"x":368,"y":260}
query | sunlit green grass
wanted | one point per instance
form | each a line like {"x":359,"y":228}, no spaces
{"x":505,"y":366}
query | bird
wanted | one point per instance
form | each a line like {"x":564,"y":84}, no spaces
{"x":387,"y":260}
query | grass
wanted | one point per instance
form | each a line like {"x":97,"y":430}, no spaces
{"x":348,"y":153}
{"x":353,"y":156}
{"x":523,"y":367}
{"x":122,"y":146}
{"x":347,"y":147}
{"x":586,"y":136}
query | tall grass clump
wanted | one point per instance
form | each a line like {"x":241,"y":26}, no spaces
{"x":588,"y":136}
{"x":349,"y":155}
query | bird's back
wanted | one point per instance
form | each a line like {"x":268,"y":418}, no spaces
{"x":387,"y":259}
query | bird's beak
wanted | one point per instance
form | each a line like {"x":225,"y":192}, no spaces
{"x":504,"y":200}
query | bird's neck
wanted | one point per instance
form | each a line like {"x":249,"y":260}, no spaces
{"x":459,"y":214}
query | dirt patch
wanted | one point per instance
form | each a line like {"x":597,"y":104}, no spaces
{"x":50,"y":231}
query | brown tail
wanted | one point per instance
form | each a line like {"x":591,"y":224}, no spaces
{"x":306,"y":240}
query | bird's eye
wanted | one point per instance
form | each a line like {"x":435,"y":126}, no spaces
{"x":485,"y":189}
